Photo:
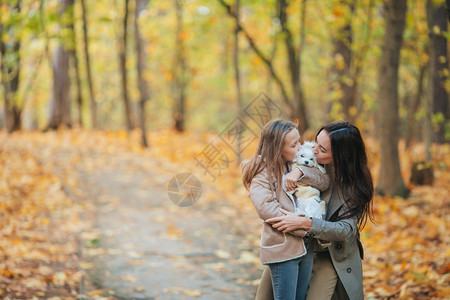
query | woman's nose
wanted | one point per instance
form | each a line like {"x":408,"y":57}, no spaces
{"x":316,"y":149}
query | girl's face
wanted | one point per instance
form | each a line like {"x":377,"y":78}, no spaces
{"x":291,"y":145}
{"x":322,"y":150}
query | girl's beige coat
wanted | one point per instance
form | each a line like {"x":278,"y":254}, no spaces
{"x":277,"y":246}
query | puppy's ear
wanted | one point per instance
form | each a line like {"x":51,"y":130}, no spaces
{"x":309,"y":144}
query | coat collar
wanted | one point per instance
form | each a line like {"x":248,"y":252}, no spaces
{"x":289,"y":195}
{"x":335,"y":202}
{"x":288,"y":169}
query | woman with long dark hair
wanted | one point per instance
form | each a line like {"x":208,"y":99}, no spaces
{"x":337,"y":267}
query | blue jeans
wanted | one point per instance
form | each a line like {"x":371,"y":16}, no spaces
{"x":290,"y":279}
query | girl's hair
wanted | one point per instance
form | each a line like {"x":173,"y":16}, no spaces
{"x":351,"y":171}
{"x":268,"y":154}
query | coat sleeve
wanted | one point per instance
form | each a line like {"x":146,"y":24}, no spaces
{"x":315,"y":178}
{"x":263,"y":199}
{"x":333,"y":231}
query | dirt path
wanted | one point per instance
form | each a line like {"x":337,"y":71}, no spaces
{"x":149,"y":248}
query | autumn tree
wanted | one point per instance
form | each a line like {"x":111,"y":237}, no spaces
{"x":349,"y":54}
{"x":179,"y":70}
{"x":438,"y":69}
{"x":60,"y":101}
{"x":415,"y":58}
{"x":74,"y":58}
{"x":294,"y":104}
{"x":93,"y":105}
{"x":10,"y":65}
{"x":123,"y":42}
{"x":294,"y":58}
{"x":412,"y":102}
{"x":140,"y":67}
{"x":342,"y":56}
{"x":390,"y":179}
{"x":237,"y":78}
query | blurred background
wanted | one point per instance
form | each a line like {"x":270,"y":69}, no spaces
{"x":154,"y":88}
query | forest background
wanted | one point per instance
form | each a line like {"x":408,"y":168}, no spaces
{"x":192,"y":82}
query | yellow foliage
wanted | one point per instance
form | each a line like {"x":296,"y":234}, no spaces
{"x":36,"y":218}
{"x":406,"y":250}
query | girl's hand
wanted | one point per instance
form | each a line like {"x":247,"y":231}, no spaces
{"x":289,"y":222}
{"x":292,"y":178}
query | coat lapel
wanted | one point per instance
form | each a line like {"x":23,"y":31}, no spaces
{"x":335,"y":202}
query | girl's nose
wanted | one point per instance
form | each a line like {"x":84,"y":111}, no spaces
{"x":316,"y":149}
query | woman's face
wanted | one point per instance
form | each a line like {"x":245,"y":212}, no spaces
{"x":291,"y":145}
{"x":323,"y":148}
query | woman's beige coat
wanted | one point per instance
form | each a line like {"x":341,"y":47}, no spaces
{"x":277,"y":246}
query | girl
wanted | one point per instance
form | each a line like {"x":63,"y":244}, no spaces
{"x":287,"y":254}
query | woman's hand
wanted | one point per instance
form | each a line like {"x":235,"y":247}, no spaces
{"x":290,"y":222}
{"x":292,"y":178}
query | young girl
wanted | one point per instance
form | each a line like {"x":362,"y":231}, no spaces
{"x":287,"y":254}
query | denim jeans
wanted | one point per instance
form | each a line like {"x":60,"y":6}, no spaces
{"x":290,"y":279}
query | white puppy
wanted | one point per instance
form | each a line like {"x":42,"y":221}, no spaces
{"x":308,"y":198}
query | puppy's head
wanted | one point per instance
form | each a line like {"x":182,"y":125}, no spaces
{"x":306,"y":155}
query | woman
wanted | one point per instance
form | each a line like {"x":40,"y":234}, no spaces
{"x":337,"y":268}
{"x":288,"y":257}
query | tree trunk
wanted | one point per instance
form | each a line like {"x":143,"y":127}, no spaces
{"x":413,"y":105}
{"x":237,"y":79}
{"x":93,"y":104}
{"x":60,"y":102}
{"x":448,"y":9}
{"x":390,"y":179}
{"x":79,"y":95}
{"x":272,"y":56}
{"x":342,"y":41}
{"x":349,"y":64}
{"x":142,"y":83}
{"x":74,"y":56}
{"x":10,"y":73}
{"x":123,"y":68}
{"x":428,"y":131}
{"x":301,"y":108}
{"x":438,"y":67}
{"x":180,"y":72}
{"x":294,"y":60}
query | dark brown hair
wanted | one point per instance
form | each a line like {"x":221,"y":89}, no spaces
{"x":351,"y":171}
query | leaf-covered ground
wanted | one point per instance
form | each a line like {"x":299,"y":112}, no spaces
{"x":56,"y":200}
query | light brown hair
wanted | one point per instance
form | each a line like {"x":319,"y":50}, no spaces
{"x":268,"y":154}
